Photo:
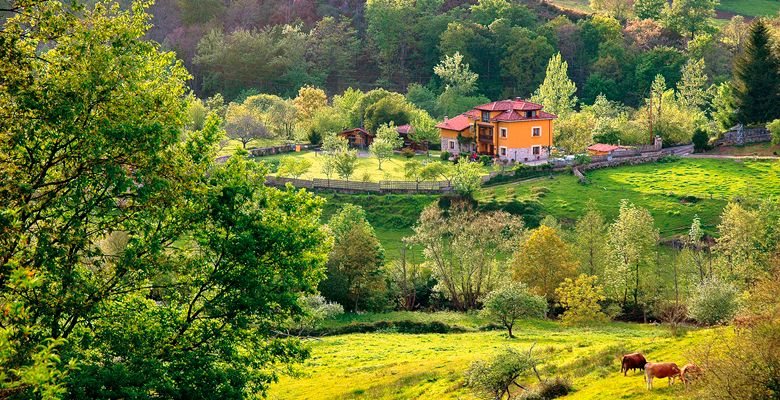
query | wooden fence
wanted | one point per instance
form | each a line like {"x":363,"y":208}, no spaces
{"x":362,"y":187}
{"x":444,"y":186}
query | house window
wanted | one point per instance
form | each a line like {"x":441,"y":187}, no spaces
{"x":485,"y":116}
{"x":536,"y":131}
{"x":536,"y":150}
{"x":502,"y":132}
{"x":452,"y":144}
{"x":529,"y":114}
{"x":502,"y":151}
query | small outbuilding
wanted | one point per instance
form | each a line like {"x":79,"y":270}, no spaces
{"x":358,"y":137}
{"x":602,"y":149}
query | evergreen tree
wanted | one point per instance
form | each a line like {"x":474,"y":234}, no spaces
{"x":557,"y":91}
{"x":756,"y":78}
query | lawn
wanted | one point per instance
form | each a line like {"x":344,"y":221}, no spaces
{"x":674,"y":192}
{"x":750,"y":8}
{"x":390,"y":365}
{"x":367,"y":169}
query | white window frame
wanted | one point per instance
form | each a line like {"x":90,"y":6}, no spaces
{"x":534,"y":148}
{"x":502,"y":149}
{"x":533,"y":128}
{"x":503,"y":132}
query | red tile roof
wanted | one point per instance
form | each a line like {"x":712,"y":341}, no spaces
{"x":603,"y":147}
{"x":405,"y":129}
{"x":459,"y":123}
{"x":511,"y":115}
{"x":511,"y":104}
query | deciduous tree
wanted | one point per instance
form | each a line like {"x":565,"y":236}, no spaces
{"x":512,"y":302}
{"x":543,"y":261}
{"x":557,"y":92}
{"x":462,"y":247}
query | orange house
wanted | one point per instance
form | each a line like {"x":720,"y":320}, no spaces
{"x":515,"y":130}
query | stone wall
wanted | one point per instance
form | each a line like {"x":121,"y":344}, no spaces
{"x":747,"y":135}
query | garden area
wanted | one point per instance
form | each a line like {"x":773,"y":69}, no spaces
{"x":367,"y":166}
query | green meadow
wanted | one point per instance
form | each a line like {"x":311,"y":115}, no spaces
{"x":391,"y":365}
{"x":674,"y":192}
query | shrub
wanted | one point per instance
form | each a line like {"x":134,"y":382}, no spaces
{"x":580,"y":298}
{"x":445,"y":155}
{"x":582,"y":159}
{"x":701,"y":140}
{"x":510,"y":303}
{"x":713,"y":302}
{"x":774,"y":129}
{"x":549,"y":389}
{"x":494,"y":377}
{"x":407,"y":152}
{"x":486,"y":160}
{"x":314,"y":137}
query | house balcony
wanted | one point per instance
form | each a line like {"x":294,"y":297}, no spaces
{"x":486,"y":138}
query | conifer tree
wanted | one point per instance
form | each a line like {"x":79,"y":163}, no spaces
{"x":757,"y":79}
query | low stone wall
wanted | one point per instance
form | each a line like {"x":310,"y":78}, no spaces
{"x":286,"y":148}
{"x":641,"y":159}
{"x":748,"y":135}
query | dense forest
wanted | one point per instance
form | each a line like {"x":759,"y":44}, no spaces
{"x":626,"y":73}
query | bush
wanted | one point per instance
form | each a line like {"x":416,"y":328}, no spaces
{"x":445,"y":155}
{"x":549,"y":389}
{"x":407,"y":152}
{"x":486,"y":160}
{"x":512,"y":302}
{"x":314,"y":137}
{"x":495,"y":376}
{"x":580,"y":298}
{"x":713,"y":302}
{"x":774,"y":129}
{"x":701,"y":140}
{"x":582,"y":159}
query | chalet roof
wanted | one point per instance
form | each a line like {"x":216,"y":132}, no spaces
{"x":602,"y":147}
{"x":512,"y":115}
{"x":353,"y":130}
{"x":405,"y":129}
{"x":510,"y":104}
{"x":459,"y":123}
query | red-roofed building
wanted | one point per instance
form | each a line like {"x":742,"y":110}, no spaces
{"x":513,"y":129}
{"x":602,"y":149}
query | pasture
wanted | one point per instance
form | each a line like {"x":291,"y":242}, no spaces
{"x":748,"y":8}
{"x":674,"y":192}
{"x":391,"y":365}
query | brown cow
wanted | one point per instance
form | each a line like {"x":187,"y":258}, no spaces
{"x":660,"y":370}
{"x":689,"y":373}
{"x":632,"y":361}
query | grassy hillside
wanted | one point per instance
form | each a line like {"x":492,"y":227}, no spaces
{"x":391,"y":365}
{"x":674,"y":192}
{"x":750,"y":8}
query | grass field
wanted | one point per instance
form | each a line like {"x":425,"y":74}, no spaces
{"x":663,"y":188}
{"x":391,"y":365}
{"x":750,"y":8}
{"x":392,"y":168}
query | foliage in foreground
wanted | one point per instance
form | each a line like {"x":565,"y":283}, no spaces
{"x":132,"y":264}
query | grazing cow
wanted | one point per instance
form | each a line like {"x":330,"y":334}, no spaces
{"x":660,"y":370}
{"x":632,"y":361}
{"x":689,"y":373}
